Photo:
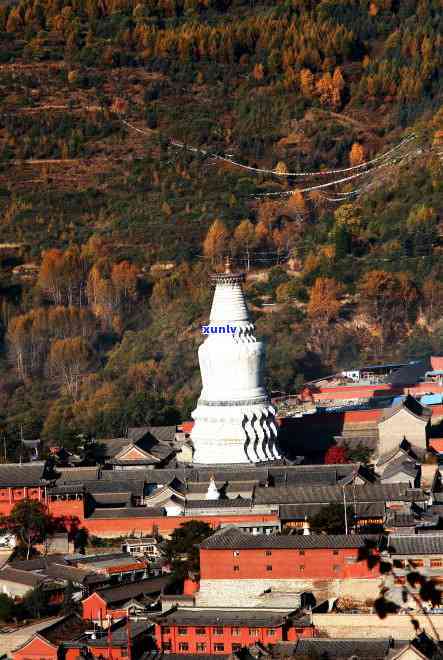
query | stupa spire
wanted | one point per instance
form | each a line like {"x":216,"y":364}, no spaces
{"x":234,"y":419}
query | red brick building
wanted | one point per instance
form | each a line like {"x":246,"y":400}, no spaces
{"x":231,"y":554}
{"x":220,"y":631}
{"x":111,"y":603}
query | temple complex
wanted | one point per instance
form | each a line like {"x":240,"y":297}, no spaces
{"x":234,"y":418}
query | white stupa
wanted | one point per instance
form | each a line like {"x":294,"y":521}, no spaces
{"x":234,"y":418}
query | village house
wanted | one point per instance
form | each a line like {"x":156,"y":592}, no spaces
{"x":213,"y":631}
{"x":244,"y":570}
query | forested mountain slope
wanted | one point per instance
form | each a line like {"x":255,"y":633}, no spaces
{"x":108,"y":228}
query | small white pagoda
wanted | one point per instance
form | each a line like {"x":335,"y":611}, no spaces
{"x":234,"y":418}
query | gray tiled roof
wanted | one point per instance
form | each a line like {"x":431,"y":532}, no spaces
{"x":163,"y":433}
{"x":417,"y":544}
{"x":327,"y":494}
{"x":78,"y":575}
{"x":401,"y":464}
{"x":337,"y":649}
{"x":233,"y":617}
{"x":230,"y":537}
{"x":25,"y":474}
{"x":21,"y":577}
{"x":128,"y":512}
{"x":117,"y":485}
{"x":222,"y":503}
{"x":122,"y":593}
{"x":101,"y":499}
{"x":298,"y":511}
{"x":397,"y":519}
{"x":412,"y":406}
{"x":77,"y":474}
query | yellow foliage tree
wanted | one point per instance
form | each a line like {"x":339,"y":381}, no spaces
{"x":216,"y":241}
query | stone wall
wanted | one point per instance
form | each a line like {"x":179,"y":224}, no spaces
{"x":251,"y":593}
{"x":397,"y":626}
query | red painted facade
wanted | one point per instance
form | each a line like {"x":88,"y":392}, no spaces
{"x":285,"y":564}
{"x":36,"y":648}
{"x":223,"y":639}
{"x":167,"y":524}
{"x":95,"y":608}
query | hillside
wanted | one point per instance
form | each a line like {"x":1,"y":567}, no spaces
{"x":110,"y":223}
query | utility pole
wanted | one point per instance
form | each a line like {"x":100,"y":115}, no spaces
{"x":346,"y":513}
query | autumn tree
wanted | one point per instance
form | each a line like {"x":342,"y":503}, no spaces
{"x":30,"y":523}
{"x":323,"y":307}
{"x":324,"y":301}
{"x":69,"y":359}
{"x":335,"y":455}
{"x":124,"y":277}
{"x":245,"y":239}
{"x":390,"y":301}
{"x":216,"y":241}
{"x":357,"y":154}
{"x":433,"y":298}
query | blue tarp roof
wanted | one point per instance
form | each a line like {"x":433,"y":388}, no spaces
{"x":396,"y":400}
{"x":431,"y":399}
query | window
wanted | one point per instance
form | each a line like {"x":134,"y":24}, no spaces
{"x":166,"y":630}
{"x":236,"y":647}
{"x":167,"y":646}
{"x":201,"y":647}
{"x":182,"y":630}
{"x":436,"y":563}
{"x":218,"y":631}
{"x":254,"y":632}
{"x":335,"y":552}
{"x":183,"y":646}
{"x":336,"y":567}
{"x":219,"y":648}
{"x":269,"y":567}
{"x":416,"y":563}
{"x":271,"y":632}
{"x":302,"y":552}
{"x":235,"y":632}
{"x":200,"y":631}
{"x":301,"y":567}
{"x":236,"y":568}
{"x":268,"y":553}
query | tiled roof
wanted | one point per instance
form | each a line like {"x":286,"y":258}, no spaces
{"x":124,"y":592}
{"x":119,"y":485}
{"x":128,"y":512}
{"x":187,"y":616}
{"x":230,"y":537}
{"x":327,"y":494}
{"x":78,"y":575}
{"x":298,"y":511}
{"x":77,"y":474}
{"x":411,"y":405}
{"x":397,"y":519}
{"x":417,"y":544}
{"x":21,"y":577}
{"x":220,"y":504}
{"x":25,"y":474}
{"x":398,"y":465}
{"x":335,"y":649}
{"x":112,"y":498}
{"x":163,"y":433}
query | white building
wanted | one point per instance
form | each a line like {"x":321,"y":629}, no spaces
{"x":234,"y":419}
